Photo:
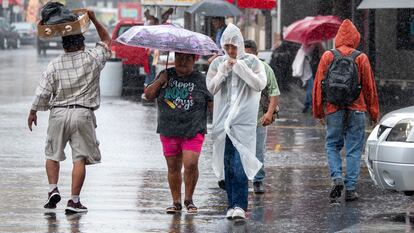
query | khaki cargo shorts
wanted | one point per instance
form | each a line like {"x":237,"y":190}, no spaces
{"x":76,"y":126}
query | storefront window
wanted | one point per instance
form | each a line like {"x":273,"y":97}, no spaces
{"x":405,"y":29}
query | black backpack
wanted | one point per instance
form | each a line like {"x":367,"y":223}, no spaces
{"x":341,"y":86}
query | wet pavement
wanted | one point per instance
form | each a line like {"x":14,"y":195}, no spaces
{"x":128,"y":191}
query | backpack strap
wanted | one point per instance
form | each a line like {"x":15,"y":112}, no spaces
{"x":336,"y":53}
{"x":355,"y":54}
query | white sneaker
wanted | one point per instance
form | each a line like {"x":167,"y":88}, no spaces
{"x":239,"y":213}
{"x":229,"y":214}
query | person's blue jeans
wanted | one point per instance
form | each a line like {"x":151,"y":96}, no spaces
{"x":308,"y":95}
{"x":345,"y":127}
{"x":261,"y":133}
{"x":236,"y":180}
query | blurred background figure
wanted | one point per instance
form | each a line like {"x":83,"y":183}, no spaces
{"x":219,"y":25}
{"x":304,"y":67}
{"x":281,"y":63}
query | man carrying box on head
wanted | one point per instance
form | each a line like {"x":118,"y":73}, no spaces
{"x":69,"y":88}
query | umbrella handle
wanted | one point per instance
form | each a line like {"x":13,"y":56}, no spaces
{"x":168,"y":55}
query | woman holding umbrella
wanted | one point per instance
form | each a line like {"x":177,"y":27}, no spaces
{"x":182,"y":99}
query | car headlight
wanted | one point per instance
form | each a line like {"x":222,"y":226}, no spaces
{"x":381,"y":130}
{"x":401,"y":131}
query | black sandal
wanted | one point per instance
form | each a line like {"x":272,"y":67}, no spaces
{"x":175,"y":208}
{"x":191,"y":208}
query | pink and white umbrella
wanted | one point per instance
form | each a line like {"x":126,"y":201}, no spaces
{"x":169,"y":38}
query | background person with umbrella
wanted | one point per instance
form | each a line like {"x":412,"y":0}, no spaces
{"x":304,"y":66}
{"x":182,"y":99}
{"x":309,"y":32}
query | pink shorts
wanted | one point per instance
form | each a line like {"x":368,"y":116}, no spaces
{"x":173,"y":146}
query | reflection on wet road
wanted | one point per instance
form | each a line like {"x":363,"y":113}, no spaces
{"x":128,"y":191}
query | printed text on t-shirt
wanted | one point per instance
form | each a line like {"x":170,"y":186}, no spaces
{"x":180,"y":93}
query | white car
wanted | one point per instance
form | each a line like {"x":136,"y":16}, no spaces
{"x":390,"y":151}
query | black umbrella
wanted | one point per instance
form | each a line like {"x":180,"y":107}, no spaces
{"x":217,"y":8}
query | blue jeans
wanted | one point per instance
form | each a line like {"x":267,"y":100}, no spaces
{"x":345,"y":127}
{"x":308,"y":95}
{"x":261,"y":133}
{"x":235,"y":178}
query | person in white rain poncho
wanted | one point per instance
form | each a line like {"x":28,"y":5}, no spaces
{"x":236,"y":80}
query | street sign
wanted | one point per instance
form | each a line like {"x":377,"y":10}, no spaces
{"x":169,"y":2}
{"x":5,"y":4}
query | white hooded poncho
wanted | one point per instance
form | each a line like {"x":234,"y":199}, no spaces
{"x":236,"y":93}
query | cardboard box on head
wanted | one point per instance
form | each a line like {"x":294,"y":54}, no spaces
{"x":65,"y":29}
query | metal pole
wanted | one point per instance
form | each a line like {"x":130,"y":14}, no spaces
{"x":158,"y":13}
{"x":279,"y":17}
{"x":353,"y":10}
{"x":268,"y":29}
{"x":168,"y":56}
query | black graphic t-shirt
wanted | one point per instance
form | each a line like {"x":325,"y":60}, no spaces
{"x":182,"y":105}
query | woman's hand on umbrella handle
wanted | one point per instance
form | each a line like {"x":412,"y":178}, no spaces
{"x":163,"y":78}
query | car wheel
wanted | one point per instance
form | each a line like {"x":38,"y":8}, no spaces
{"x":409,"y":193}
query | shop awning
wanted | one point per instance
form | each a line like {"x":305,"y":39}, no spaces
{"x":386,"y":4}
{"x":263,"y":4}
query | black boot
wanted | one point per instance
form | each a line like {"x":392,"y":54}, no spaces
{"x":258,"y":187}
{"x":336,"y":191}
{"x":351,"y":195}
{"x":222,"y":184}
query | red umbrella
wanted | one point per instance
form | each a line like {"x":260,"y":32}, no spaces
{"x":263,"y":4}
{"x":313,"y":29}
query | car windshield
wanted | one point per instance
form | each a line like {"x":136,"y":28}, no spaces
{"x":123,"y":29}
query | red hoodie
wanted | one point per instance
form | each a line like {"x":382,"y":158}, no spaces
{"x":346,"y":41}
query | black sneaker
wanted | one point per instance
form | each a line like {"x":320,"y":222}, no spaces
{"x":73,"y":207}
{"x":336,"y":190}
{"x":53,"y":199}
{"x":258,"y":187}
{"x":222,"y":184}
{"x":351,"y":195}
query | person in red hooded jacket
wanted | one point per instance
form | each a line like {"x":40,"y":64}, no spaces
{"x":345,"y":125}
